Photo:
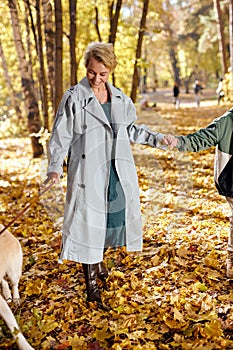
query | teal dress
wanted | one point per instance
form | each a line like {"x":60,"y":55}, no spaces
{"x":115,"y":233}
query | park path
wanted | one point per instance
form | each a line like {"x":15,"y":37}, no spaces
{"x":164,"y":98}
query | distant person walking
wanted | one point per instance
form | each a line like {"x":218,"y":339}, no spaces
{"x":220,"y":91}
{"x":197,"y":87}
{"x":176,"y":92}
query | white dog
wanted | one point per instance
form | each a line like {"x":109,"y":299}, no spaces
{"x":11,"y":260}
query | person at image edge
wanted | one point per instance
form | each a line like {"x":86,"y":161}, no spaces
{"x":218,"y":133}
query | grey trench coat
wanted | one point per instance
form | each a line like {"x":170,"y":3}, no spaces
{"x":82,"y":130}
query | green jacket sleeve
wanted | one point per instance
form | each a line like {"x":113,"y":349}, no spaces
{"x":201,"y":139}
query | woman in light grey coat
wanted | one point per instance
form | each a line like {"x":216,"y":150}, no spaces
{"x":94,"y":126}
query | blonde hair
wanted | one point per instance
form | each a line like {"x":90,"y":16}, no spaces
{"x":103,"y":53}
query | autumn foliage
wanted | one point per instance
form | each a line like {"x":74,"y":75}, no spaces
{"x":173,"y":295}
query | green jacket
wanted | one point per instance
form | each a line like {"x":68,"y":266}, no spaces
{"x":219,"y":133}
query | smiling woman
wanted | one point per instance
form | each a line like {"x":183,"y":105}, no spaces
{"x":97,"y":75}
{"x":95,"y":124}
{"x":98,"y":65}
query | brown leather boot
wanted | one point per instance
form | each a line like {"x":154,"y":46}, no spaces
{"x":93,"y":293}
{"x":102,"y":273}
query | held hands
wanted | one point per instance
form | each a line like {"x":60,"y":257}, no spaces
{"x":170,"y":140}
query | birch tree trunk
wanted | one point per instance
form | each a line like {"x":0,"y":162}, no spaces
{"x":28,"y":14}
{"x":135,"y":81}
{"x":12,"y":93}
{"x":58,"y":54}
{"x":221,"y":39}
{"x":33,"y":117}
{"x":43,"y":83}
{"x":49,"y":43}
{"x":72,"y":39}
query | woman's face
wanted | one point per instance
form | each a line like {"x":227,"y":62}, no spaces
{"x":97,"y":74}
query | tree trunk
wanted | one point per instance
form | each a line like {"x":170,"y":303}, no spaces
{"x":72,"y":39}
{"x":28,"y":14}
{"x":97,"y":23}
{"x":49,"y":42}
{"x":58,"y":55}
{"x":34,"y":122}
{"x":221,"y":39}
{"x":43,"y":83}
{"x":135,"y":81}
{"x":29,"y":28}
{"x":174,"y":63}
{"x":114,"y":21}
{"x":12,"y":93}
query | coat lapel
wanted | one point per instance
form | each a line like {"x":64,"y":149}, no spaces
{"x":94,"y":108}
{"x":91,"y":105}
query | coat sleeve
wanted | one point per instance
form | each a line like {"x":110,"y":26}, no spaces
{"x":141,"y":133}
{"x":62,"y":134}
{"x":202,"y":139}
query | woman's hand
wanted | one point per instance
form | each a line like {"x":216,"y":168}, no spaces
{"x":55,"y":177}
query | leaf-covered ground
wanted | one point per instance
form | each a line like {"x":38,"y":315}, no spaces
{"x":173,"y":295}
